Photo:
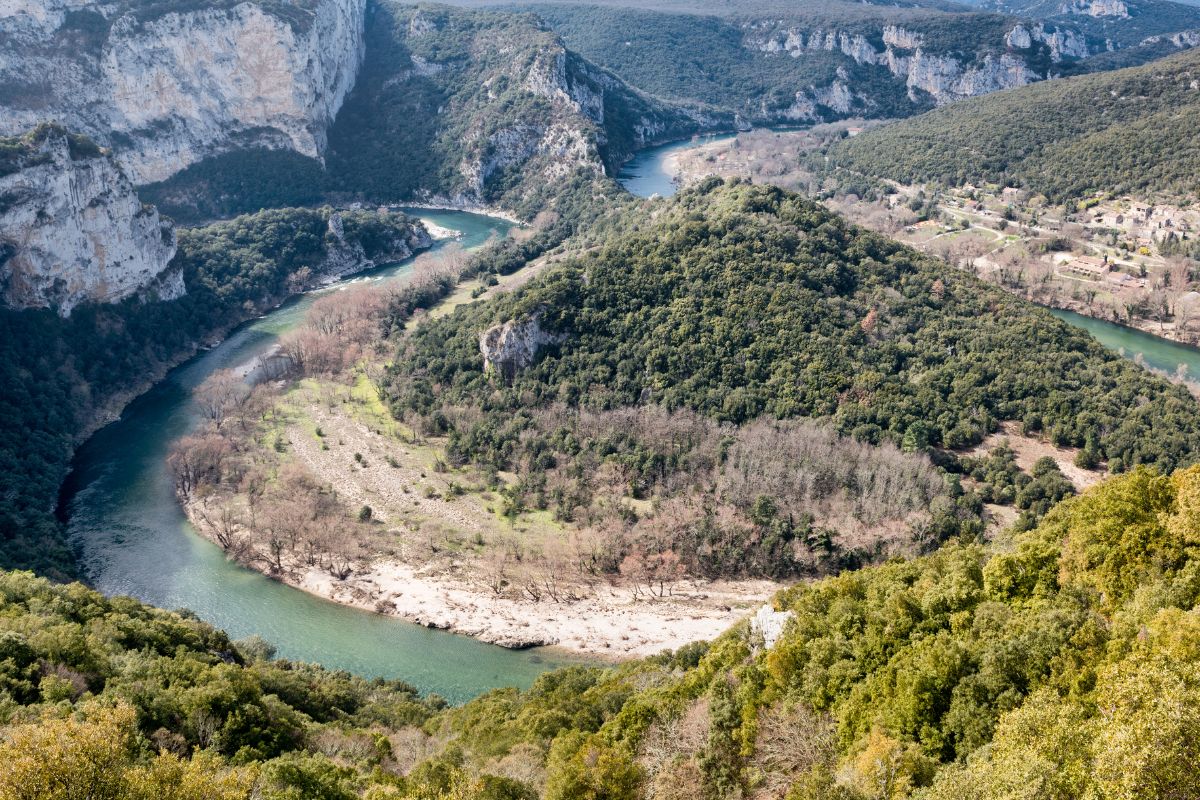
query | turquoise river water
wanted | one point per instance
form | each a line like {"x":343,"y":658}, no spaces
{"x":134,"y":539}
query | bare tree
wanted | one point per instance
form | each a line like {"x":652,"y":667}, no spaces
{"x":221,"y":393}
{"x":198,"y":461}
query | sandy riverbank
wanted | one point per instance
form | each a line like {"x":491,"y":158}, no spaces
{"x":609,"y":623}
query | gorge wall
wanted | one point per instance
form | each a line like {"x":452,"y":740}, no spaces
{"x":929,"y":71}
{"x":72,"y":228}
{"x":166,"y":88}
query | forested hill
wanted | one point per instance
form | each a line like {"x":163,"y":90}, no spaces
{"x":739,"y":301}
{"x":1130,"y":131}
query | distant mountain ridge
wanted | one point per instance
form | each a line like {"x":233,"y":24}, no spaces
{"x":1116,"y":23}
{"x":816,"y":62}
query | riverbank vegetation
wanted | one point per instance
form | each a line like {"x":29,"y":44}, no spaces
{"x":605,"y":463}
{"x":1060,"y":663}
{"x":65,"y":377}
{"x":539,"y":495}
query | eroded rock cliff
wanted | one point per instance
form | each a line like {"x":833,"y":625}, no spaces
{"x":347,"y":255}
{"x":514,"y":345}
{"x":72,"y":228}
{"x":926,"y":70}
{"x":497,"y":104}
{"x":166,"y":88}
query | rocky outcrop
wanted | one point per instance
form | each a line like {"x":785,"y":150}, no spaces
{"x":767,"y":625}
{"x":1097,"y":8}
{"x":896,"y":36}
{"x":167,"y":89}
{"x":573,"y":136}
{"x":946,"y":80}
{"x":944,"y":77}
{"x":1183,"y":40}
{"x":509,"y":348}
{"x":72,"y":228}
{"x":346,"y":257}
{"x":1063,"y":43}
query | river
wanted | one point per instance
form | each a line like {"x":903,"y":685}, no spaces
{"x":134,"y":539}
{"x":1155,"y":352}
{"x":646,"y":174}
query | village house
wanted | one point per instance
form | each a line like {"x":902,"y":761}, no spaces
{"x":1087,"y":266}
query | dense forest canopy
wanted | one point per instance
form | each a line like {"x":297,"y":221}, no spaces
{"x":1130,"y":131}
{"x":1060,"y":664}
{"x":738,"y":301}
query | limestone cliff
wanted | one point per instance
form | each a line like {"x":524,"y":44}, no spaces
{"x":347,"y":255}
{"x":926,"y":70}
{"x":497,"y":105}
{"x":166,"y":88}
{"x":72,"y":228}
{"x":509,"y":348}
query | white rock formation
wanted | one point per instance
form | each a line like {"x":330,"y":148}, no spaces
{"x":1063,"y":42}
{"x":72,"y":229}
{"x":345,"y":258}
{"x":1097,"y":8}
{"x":170,"y":89}
{"x":767,"y":625}
{"x":905,"y":55}
{"x":568,"y":138}
{"x":513,"y":346}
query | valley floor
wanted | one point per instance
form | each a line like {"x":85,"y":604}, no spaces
{"x":436,"y":548}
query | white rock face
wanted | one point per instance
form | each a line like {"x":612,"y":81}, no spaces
{"x":836,"y":96}
{"x":73,"y":230}
{"x":942,"y":77}
{"x":513,"y":346}
{"x":1097,"y":8}
{"x":569,"y":138}
{"x":345,"y":258}
{"x":1019,"y":38}
{"x":767,"y":624}
{"x":37,"y":15}
{"x":895,"y":36}
{"x":1183,"y":40}
{"x":1063,"y":42}
{"x":171,"y":90}
{"x":946,"y":80}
